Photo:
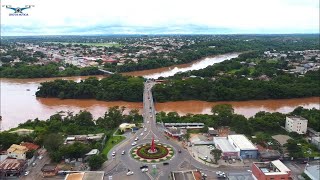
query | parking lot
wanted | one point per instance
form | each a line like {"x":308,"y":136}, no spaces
{"x":203,"y":151}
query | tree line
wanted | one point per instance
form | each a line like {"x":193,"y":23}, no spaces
{"x":228,"y":88}
{"x":112,"y":88}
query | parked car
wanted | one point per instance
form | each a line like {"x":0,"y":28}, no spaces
{"x":40,"y":157}
{"x":141,"y":134}
{"x":123,"y":152}
{"x":136,"y":139}
{"x":145,"y":129}
{"x":34,"y":164}
{"x":165,"y":163}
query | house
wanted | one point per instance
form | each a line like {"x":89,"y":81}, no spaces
{"x":12,"y":167}
{"x":275,"y":170}
{"x":49,"y":170}
{"x":296,"y":124}
{"x":17,"y":151}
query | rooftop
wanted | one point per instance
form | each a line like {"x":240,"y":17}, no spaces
{"x":313,"y":171}
{"x":49,"y":167}
{"x":297,"y":118}
{"x":242,"y":142}
{"x":30,"y":146}
{"x":272,"y":168}
{"x":89,"y":175}
{"x":12,"y":164}
{"x":224,"y":144}
{"x":17,"y":149}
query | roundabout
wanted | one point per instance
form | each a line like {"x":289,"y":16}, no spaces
{"x":152,"y":153}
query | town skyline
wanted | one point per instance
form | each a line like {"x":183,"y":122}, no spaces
{"x":165,"y":17}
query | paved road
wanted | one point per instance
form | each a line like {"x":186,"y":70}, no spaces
{"x":180,"y":161}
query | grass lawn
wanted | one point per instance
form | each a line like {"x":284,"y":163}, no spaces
{"x":112,"y":142}
{"x":90,"y":44}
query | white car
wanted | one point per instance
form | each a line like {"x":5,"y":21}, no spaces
{"x":141,"y":134}
{"x":129,"y":173}
{"x":26,"y":173}
{"x":40,"y":157}
{"x":144,"y":170}
{"x":145,"y":129}
{"x":133,"y":144}
{"x":123,"y":152}
{"x":113,"y":153}
{"x":136,"y":139}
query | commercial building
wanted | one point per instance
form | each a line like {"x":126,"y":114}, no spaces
{"x":274,"y":170}
{"x":244,"y":146}
{"x":236,"y":145}
{"x":186,"y":175}
{"x":89,"y":175}
{"x":228,"y":151}
{"x":17,"y":151}
{"x":49,"y":170}
{"x":296,"y":124}
{"x":185,"y":125}
{"x":83,"y":138}
{"x":212,"y":131}
{"x":12,"y":167}
{"x":269,"y":155}
{"x":174,"y":132}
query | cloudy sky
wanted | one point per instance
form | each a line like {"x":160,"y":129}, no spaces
{"x":77,"y":17}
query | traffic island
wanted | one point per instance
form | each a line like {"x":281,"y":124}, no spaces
{"x":152,"y":153}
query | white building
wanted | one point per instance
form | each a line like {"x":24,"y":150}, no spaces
{"x":296,"y":124}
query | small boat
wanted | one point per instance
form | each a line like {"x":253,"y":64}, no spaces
{"x":28,"y":89}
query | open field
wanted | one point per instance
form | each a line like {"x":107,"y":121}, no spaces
{"x":110,"y":44}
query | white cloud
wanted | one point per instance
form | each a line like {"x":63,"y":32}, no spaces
{"x":284,"y":16}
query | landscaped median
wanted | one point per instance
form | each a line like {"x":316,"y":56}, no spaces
{"x":112,"y":141}
{"x":163,"y":153}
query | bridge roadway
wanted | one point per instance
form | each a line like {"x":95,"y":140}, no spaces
{"x":152,"y":130}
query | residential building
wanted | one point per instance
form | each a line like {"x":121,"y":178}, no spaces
{"x":274,"y":170}
{"x":244,"y":146}
{"x":12,"y":167}
{"x":49,"y":170}
{"x":296,"y":124}
{"x":88,"y":175}
{"x":313,"y":171}
{"x":17,"y":151}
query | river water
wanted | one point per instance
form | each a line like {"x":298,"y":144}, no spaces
{"x":18,"y":101}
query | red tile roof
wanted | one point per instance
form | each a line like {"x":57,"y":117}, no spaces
{"x":30,"y":146}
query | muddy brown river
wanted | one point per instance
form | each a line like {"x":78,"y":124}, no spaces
{"x":18,"y":101}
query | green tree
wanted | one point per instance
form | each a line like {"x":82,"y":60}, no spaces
{"x":223,"y":114}
{"x":216,"y":154}
{"x":96,"y":161}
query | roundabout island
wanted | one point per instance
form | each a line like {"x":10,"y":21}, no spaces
{"x":152,"y":152}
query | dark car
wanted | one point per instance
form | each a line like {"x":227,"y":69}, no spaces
{"x":144,"y":167}
{"x":165,"y":163}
